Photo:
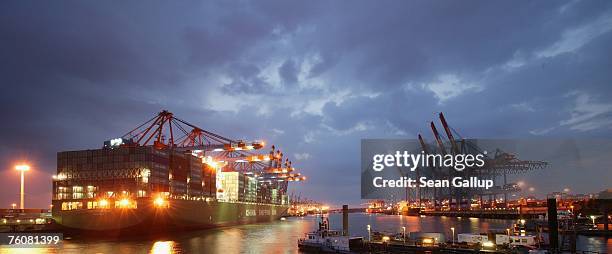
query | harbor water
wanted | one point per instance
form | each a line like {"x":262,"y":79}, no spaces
{"x":282,"y":236}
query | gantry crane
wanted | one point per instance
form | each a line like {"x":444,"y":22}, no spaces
{"x":215,"y":150}
{"x":499,"y":163}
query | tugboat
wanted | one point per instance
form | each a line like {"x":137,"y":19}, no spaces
{"x":330,"y":241}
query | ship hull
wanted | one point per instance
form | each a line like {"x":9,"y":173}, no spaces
{"x":179,"y":215}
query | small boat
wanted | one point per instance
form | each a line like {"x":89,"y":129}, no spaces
{"x":332,"y":241}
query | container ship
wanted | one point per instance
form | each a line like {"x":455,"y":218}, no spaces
{"x":150,"y":181}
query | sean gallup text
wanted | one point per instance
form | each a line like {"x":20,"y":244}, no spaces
{"x":423,"y":182}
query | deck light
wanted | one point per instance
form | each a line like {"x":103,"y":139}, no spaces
{"x":488,"y":244}
{"x":428,"y":241}
{"x":103,"y":203}
{"x":160,"y":202}
{"x":124,"y":202}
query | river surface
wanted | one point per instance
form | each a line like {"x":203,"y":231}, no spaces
{"x":282,"y":236}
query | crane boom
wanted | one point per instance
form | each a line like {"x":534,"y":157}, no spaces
{"x":423,"y":144}
{"x":166,"y":131}
{"x":449,"y":134}
{"x":438,"y":139}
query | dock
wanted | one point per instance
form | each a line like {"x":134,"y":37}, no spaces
{"x":511,"y":214}
{"x":413,"y":247}
{"x":25,"y":220}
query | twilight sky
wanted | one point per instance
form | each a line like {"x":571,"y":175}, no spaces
{"x":313,"y":77}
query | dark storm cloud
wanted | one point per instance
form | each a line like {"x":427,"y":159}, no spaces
{"x":311,"y":77}
{"x":418,"y":40}
{"x":245,"y":79}
{"x":288,"y":72}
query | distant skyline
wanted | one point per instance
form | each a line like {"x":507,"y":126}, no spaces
{"x":313,"y":78}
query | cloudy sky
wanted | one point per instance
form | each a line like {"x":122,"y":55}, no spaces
{"x":313,"y":77}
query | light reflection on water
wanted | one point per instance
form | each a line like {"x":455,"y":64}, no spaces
{"x":163,"y":247}
{"x":282,"y":236}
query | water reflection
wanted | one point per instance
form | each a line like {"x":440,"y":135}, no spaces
{"x":282,"y":236}
{"x":27,"y":250}
{"x":163,"y":247}
{"x":394,"y":223}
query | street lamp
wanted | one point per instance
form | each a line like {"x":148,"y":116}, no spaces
{"x":22,"y":169}
{"x":508,"y":230}
{"x":453,"y":229}
{"x":13,"y":205}
{"x":593,"y":218}
{"x":369,"y":233}
{"x":404,"y":229}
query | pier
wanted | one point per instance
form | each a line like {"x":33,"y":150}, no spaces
{"x":384,"y":247}
{"x":512,"y":214}
{"x":25,"y":220}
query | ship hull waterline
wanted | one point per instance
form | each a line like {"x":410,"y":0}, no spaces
{"x":180,"y":215}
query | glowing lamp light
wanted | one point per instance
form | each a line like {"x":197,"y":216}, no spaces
{"x":159,"y":202}
{"x":22,"y":167}
{"x":103,"y":203}
{"x":386,"y":238}
{"x":488,"y":244}
{"x":124,"y":202}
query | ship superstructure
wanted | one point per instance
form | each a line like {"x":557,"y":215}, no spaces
{"x":169,"y":173}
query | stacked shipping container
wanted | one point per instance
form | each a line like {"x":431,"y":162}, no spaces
{"x":237,"y":186}
{"x":209,"y":181}
{"x":104,"y":172}
{"x":144,"y":171}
